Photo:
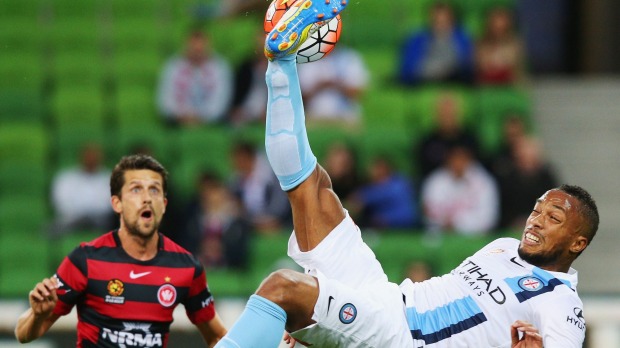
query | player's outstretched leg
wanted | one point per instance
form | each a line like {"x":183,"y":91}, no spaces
{"x":296,"y":24}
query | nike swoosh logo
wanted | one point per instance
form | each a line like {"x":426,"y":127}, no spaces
{"x":329,"y":302}
{"x":515,"y":262}
{"x":138,"y":275}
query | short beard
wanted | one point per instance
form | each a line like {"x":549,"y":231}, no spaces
{"x":539,"y":260}
{"x":134,"y":229}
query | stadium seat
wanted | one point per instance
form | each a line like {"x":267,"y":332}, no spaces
{"x":25,"y":212}
{"x":137,"y":68}
{"x":137,"y":34}
{"x":394,"y":144}
{"x":19,"y":34}
{"x":135,"y":107}
{"x":22,"y":261}
{"x":21,"y":69}
{"x":21,"y":8}
{"x":79,"y":34}
{"x":78,"y":107}
{"x":152,"y":137}
{"x":386,"y":108}
{"x":68,"y":142}
{"x":135,"y":8}
{"x":21,"y":105}
{"x":322,"y":138}
{"x":494,"y":104}
{"x":198,"y":149}
{"x":24,"y":179}
{"x":77,"y":68}
{"x":23,"y":144}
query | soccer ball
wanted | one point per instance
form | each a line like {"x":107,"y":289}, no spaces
{"x":322,"y":39}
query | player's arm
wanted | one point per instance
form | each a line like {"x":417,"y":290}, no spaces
{"x":38,"y":319}
{"x":212,"y":331}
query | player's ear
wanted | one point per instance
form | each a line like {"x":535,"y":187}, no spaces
{"x":579,"y":244}
{"x":117,"y":205}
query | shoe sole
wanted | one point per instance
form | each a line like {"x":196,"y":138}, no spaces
{"x":288,"y":35}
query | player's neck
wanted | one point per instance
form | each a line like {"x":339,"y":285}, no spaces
{"x":142,"y":248}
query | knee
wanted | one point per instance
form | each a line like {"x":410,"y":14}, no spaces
{"x":287,"y":288}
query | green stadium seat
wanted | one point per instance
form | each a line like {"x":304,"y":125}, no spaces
{"x":24,"y":179}
{"x":494,"y":104}
{"x":322,"y":138}
{"x":137,"y":34}
{"x":394,"y":144}
{"x":78,"y":68}
{"x":152,"y":137}
{"x":23,"y":144}
{"x":76,"y":10}
{"x":135,"y":107}
{"x":75,"y":34}
{"x":78,"y":107}
{"x":20,"y":8}
{"x":23,"y":212}
{"x":21,"y":105}
{"x":18,"y":34}
{"x":137,"y":68}
{"x":198,"y":149}
{"x":386,"y":108}
{"x":69,"y":141}
{"x":23,"y":261}
{"x":21,"y":69}
{"x":135,"y":8}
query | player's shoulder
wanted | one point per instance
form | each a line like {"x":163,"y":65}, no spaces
{"x":177,"y":253}
{"x":105,"y":240}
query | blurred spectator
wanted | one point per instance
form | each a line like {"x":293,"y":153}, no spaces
{"x":81,"y":195}
{"x":387,"y":201}
{"x":219,"y":232}
{"x":530,"y":176}
{"x":433,"y":148}
{"x":499,"y":55}
{"x":250,"y":98}
{"x":460,"y":196}
{"x":442,"y":52}
{"x":513,"y":130}
{"x":419,"y":271}
{"x":342,"y":166}
{"x":332,"y":86}
{"x":258,"y":189}
{"x":196,"y":87}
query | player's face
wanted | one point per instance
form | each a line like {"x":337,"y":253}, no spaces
{"x":142,"y":203}
{"x":552,"y":232}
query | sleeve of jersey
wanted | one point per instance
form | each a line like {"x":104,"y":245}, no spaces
{"x":72,"y":280}
{"x":561,"y":322}
{"x":199,"y":304}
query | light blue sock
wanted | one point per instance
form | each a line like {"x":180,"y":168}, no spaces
{"x":261,"y":325}
{"x":286,"y":141}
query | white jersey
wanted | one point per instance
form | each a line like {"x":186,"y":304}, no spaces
{"x":476,"y":303}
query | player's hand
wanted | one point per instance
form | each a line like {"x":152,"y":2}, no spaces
{"x":289,"y":340}
{"x":43,"y":297}
{"x":531,"y":338}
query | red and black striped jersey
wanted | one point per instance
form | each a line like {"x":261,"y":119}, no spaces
{"x":123,"y":302}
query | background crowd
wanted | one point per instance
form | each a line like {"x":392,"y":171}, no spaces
{"x":432,"y":135}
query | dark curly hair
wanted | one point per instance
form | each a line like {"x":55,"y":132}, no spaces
{"x":135,"y":162}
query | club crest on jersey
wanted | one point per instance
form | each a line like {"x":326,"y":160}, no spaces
{"x":530,"y":284}
{"x":348,"y":313}
{"x":115,"y":290}
{"x":166,"y":295}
